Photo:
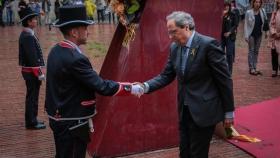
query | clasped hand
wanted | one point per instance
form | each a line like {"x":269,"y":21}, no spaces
{"x":137,"y":89}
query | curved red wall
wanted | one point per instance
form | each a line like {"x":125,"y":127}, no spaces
{"x":126,"y":125}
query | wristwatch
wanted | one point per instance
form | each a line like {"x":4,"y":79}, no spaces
{"x":127,"y":88}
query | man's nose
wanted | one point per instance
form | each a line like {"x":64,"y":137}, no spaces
{"x":170,"y":36}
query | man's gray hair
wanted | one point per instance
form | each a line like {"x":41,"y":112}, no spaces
{"x":182,"y":19}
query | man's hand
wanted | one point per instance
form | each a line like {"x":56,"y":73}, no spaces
{"x":228,"y":122}
{"x":226,"y":34}
{"x":137,"y":89}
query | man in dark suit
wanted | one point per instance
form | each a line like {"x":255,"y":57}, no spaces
{"x":31,"y":60}
{"x":72,"y":84}
{"x":205,"y":95}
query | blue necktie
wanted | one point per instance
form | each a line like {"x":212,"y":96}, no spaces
{"x":184,"y":57}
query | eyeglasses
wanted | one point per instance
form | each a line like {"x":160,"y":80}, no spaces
{"x":172,"y":32}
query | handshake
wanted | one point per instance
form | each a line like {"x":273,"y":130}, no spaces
{"x":136,"y":88}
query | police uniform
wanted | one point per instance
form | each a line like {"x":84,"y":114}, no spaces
{"x":71,"y":85}
{"x":31,"y":60}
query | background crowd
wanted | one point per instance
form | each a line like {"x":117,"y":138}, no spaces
{"x":48,"y":10}
{"x":260,"y":18}
{"x":254,"y":14}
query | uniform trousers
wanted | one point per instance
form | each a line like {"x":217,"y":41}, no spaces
{"x":31,"y":101}
{"x":67,"y":144}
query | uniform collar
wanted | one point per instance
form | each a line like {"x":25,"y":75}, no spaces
{"x":73,"y":45}
{"x":29,"y":30}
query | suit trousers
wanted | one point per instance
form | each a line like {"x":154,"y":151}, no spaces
{"x":194,"y":140}
{"x":66,"y":144}
{"x":31,"y":101}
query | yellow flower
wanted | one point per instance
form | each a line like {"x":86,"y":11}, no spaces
{"x":193,"y":51}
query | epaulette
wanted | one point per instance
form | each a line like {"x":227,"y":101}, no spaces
{"x":65,"y":45}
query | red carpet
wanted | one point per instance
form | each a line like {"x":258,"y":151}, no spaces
{"x":260,"y":120}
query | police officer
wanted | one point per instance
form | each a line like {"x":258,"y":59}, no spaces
{"x":31,"y":60}
{"x":72,"y":84}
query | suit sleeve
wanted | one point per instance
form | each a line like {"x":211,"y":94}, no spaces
{"x":164,"y":78}
{"x":220,"y":73}
{"x":84,"y":72}
{"x":29,"y":46}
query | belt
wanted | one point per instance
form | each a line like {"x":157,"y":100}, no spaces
{"x":24,"y":69}
{"x":88,"y":118}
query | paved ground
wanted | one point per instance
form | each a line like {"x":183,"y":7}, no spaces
{"x":15,"y":141}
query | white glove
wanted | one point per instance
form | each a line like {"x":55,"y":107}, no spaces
{"x":137,"y":90}
{"x":42,"y":77}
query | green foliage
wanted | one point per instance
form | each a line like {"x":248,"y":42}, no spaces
{"x":97,"y":49}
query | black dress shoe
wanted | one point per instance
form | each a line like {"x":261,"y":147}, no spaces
{"x":37,"y":126}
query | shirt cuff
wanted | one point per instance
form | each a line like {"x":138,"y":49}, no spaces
{"x":146,"y":87}
{"x":229,"y":115}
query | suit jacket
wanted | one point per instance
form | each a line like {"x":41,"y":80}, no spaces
{"x":206,"y":85}
{"x":71,"y":83}
{"x":30,"y":53}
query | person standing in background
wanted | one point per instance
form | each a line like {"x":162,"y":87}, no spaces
{"x":229,"y":27}
{"x":22,"y":5}
{"x":1,"y":13}
{"x":90,"y":8}
{"x":100,"y":6}
{"x":275,"y":39}
{"x":242,"y":6}
{"x":46,"y":6}
{"x":109,"y":11}
{"x":9,"y":12}
{"x":38,"y":11}
{"x":31,"y":60}
{"x":253,"y":30}
{"x":237,"y":14}
{"x":56,"y":8}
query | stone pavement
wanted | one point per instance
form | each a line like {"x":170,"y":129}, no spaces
{"x":15,"y":141}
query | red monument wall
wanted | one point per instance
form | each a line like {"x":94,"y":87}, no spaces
{"x":126,"y":125}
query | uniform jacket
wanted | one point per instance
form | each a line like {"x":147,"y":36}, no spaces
{"x":205,"y":87}
{"x":72,"y":83}
{"x":30,"y":52}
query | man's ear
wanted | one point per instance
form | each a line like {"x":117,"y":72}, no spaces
{"x":74,"y":33}
{"x":29,"y":21}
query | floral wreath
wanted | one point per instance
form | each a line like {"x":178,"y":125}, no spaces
{"x":127,"y":11}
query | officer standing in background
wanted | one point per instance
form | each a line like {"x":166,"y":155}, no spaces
{"x":31,"y":60}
